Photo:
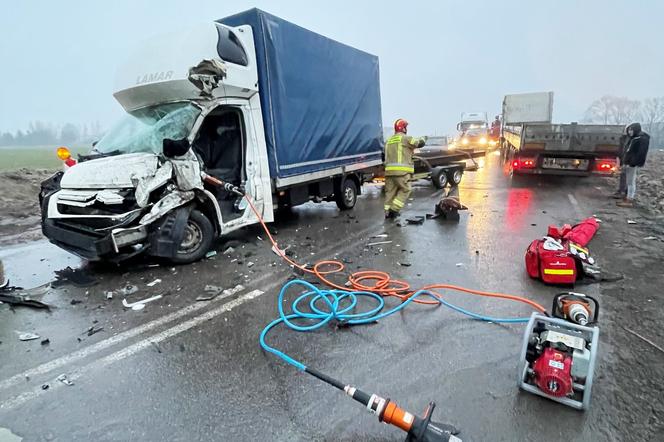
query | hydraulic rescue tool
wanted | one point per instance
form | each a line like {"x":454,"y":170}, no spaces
{"x":339,"y":304}
{"x":559,"y":352}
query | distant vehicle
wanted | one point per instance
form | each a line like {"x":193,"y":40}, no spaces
{"x":531,"y":144}
{"x":252,"y":100}
{"x":435,"y":143}
{"x":473,"y":131}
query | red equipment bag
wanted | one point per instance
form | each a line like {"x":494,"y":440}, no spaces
{"x":551,"y":266}
{"x":583,"y":232}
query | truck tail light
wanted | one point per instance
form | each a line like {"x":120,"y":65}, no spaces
{"x":606,"y":165}
{"x":523,"y":163}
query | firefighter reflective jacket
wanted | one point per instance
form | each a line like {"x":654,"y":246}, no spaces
{"x":399,"y":154}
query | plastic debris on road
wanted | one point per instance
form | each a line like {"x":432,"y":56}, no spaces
{"x":28,"y":336}
{"x":65,"y":380}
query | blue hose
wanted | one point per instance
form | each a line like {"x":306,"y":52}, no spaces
{"x":339,"y":306}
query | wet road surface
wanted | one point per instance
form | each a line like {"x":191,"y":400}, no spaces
{"x":186,"y":370}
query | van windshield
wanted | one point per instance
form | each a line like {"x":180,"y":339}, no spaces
{"x":144,"y":130}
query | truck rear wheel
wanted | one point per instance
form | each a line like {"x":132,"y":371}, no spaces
{"x":439,"y":178}
{"x":197,"y":239}
{"x":346,"y":197}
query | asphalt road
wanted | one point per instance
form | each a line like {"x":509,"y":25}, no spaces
{"x":182,"y":369}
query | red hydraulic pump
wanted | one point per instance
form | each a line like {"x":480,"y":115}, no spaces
{"x":553,"y":373}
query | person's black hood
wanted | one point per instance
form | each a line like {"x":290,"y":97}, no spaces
{"x":636,"y":127}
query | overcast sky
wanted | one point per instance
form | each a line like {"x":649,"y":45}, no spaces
{"x":438,"y":58}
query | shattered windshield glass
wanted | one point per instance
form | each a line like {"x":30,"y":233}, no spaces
{"x":144,"y":130}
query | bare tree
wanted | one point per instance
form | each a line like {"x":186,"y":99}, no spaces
{"x":624,"y":110}
{"x":600,"y":110}
{"x":613,"y":110}
{"x":652,"y":113}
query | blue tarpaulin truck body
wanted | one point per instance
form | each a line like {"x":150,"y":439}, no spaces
{"x":320,"y":98}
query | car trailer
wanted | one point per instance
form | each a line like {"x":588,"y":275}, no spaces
{"x":445,"y":167}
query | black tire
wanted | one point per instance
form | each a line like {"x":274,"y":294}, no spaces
{"x":197,"y":240}
{"x":439,"y":178}
{"x":455,"y":176}
{"x":346,"y":197}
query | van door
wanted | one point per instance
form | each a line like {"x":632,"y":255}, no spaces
{"x":254,"y":169}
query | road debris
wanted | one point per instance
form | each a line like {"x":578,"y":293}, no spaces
{"x":75,"y":301}
{"x":250,"y":264}
{"x":45,"y":386}
{"x":228,"y":251}
{"x":140,"y":305}
{"x":77,"y":277}
{"x":17,"y":299}
{"x":210,"y":254}
{"x":650,"y":238}
{"x":45,"y":341}
{"x":629,"y":221}
{"x":416,"y":220}
{"x":92,"y":330}
{"x":211,"y":292}
{"x":153,"y":283}
{"x":156,"y":346}
{"x":65,"y":380}
{"x":28,"y":336}
{"x":405,"y":264}
{"x":382,"y":235}
{"x":379,"y":243}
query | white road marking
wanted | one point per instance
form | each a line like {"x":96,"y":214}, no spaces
{"x":87,"y":351}
{"x":134,"y":348}
{"x":575,"y":204}
{"x":19,"y":379}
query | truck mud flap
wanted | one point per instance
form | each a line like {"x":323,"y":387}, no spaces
{"x":166,"y":234}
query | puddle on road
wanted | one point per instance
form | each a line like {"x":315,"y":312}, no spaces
{"x":7,"y":436}
{"x":34,"y":264}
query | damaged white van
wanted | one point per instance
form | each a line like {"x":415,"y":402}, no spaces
{"x":283,"y":113}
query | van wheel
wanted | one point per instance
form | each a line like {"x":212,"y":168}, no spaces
{"x":197,"y":239}
{"x":346,"y":197}
{"x":439,"y":178}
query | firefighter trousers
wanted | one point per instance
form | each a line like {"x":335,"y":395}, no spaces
{"x":397,"y":191}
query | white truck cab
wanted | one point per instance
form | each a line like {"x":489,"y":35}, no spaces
{"x":193,"y":109}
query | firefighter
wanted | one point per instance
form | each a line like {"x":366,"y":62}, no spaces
{"x":399,"y":167}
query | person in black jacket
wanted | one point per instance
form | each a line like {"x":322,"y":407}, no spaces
{"x":621,"y":193}
{"x":636,"y":152}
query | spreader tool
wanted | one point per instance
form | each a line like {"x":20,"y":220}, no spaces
{"x":559,"y":352}
{"x":419,"y":429}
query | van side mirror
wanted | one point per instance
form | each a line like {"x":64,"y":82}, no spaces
{"x":175,"y":148}
{"x":458,"y":126}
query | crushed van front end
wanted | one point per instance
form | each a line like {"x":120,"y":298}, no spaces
{"x":82,"y":222}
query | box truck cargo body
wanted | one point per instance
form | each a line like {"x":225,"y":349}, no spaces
{"x":286,"y":114}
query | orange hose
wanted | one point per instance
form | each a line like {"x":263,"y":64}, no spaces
{"x":380,"y":282}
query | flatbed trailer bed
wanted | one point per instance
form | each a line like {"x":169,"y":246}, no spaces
{"x":444,"y":166}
